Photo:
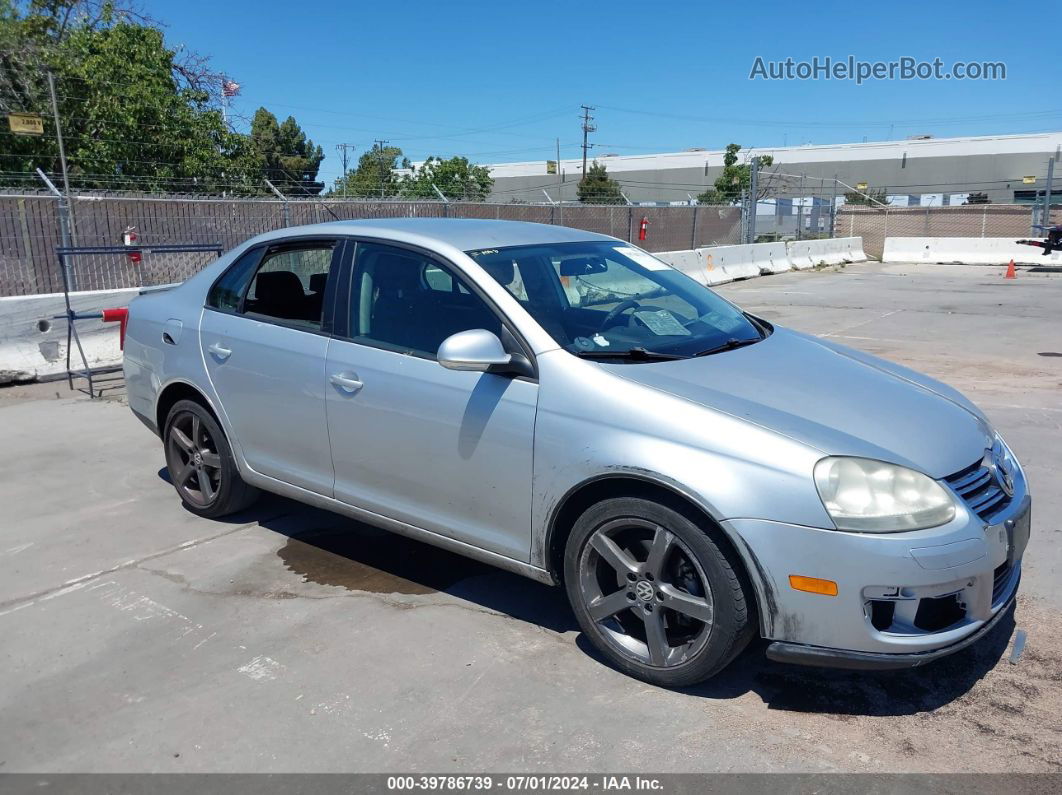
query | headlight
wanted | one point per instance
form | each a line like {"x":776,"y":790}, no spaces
{"x":874,"y":497}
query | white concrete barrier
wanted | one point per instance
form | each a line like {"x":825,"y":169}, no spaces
{"x":965,"y":250}
{"x":699,"y":264}
{"x":33,"y":340}
{"x":747,"y":261}
{"x":800,"y":254}
{"x":853,"y":249}
{"x":804,"y":254}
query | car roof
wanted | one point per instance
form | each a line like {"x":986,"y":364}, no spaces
{"x":466,"y":234}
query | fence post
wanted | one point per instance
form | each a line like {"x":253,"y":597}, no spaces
{"x":693,"y":233}
{"x":64,"y":228}
{"x":630,"y":224}
{"x":754,"y":173}
{"x":284,"y":199}
{"x":833,"y":207}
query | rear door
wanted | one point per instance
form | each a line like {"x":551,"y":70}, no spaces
{"x":264,"y":336}
{"x":443,"y":450}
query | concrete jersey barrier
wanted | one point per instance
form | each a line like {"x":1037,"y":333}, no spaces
{"x":965,"y":250}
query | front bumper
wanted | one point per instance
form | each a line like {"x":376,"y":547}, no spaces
{"x":797,"y":654}
{"x":944,"y":588}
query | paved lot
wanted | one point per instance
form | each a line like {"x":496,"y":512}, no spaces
{"x":137,"y":637}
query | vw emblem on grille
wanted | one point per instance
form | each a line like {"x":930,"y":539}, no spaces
{"x":1002,"y":476}
{"x":644,"y":590}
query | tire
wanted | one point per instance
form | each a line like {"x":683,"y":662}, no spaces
{"x":655,"y":593}
{"x":201,"y":465}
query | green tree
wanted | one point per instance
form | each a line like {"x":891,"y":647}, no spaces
{"x":597,"y":187}
{"x":456,"y":178}
{"x":374,"y":176}
{"x":135,"y":114}
{"x":873,"y":198}
{"x":734,"y":180}
{"x":291,"y":160}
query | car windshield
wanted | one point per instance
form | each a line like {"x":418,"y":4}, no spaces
{"x":609,"y":300}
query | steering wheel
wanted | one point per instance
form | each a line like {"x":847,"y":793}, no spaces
{"x":630,"y":303}
{"x":618,"y":310}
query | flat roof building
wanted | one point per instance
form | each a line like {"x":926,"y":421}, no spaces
{"x":921,"y":171}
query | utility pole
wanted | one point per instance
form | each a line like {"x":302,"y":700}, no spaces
{"x":379,"y":144}
{"x":343,"y":148}
{"x":587,"y":129}
{"x":560,"y":185}
{"x":754,"y":177}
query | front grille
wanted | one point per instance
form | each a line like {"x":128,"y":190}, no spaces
{"x":979,"y":490}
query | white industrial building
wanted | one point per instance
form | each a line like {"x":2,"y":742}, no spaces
{"x":916,"y":171}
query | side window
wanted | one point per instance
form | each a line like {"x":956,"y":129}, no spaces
{"x":229,"y":289}
{"x":407,"y":302}
{"x":290,"y":284}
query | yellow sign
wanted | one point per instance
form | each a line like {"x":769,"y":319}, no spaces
{"x":1029,"y":180}
{"x":25,"y":123}
{"x":861,"y":186}
{"x":551,"y":166}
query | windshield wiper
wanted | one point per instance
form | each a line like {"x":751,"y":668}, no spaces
{"x":729,"y":345}
{"x":633,"y":354}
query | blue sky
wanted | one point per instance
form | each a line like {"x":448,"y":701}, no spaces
{"x":500,"y":81}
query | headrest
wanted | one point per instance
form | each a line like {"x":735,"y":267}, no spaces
{"x":396,"y":275}
{"x":317,"y":282}
{"x":277,"y":285}
{"x":500,"y":268}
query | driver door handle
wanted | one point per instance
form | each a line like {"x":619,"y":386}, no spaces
{"x":348,"y":382}
{"x":219,"y":351}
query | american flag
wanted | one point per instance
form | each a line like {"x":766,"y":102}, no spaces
{"x":229,"y":88}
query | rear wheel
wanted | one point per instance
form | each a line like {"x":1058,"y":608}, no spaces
{"x":655,"y":593}
{"x":201,"y":464}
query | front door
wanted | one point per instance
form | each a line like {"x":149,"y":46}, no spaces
{"x":264,"y":349}
{"x":443,"y":450}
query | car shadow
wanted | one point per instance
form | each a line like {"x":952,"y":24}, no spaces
{"x":330,"y":549}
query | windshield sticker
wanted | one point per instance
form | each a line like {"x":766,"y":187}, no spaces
{"x":647,"y":261}
{"x":663,"y":323}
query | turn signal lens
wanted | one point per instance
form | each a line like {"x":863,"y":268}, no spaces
{"x":813,"y":585}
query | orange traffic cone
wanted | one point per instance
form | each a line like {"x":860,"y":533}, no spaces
{"x":1010,"y":271}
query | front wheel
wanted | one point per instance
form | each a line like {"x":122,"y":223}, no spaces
{"x":201,"y":464}
{"x":655,"y":593}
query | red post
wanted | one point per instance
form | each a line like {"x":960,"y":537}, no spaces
{"x":120,"y":316}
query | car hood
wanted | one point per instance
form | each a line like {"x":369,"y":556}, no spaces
{"x":832,"y":398}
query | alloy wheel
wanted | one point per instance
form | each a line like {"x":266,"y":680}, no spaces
{"x":646,"y":592}
{"x":193,"y":460}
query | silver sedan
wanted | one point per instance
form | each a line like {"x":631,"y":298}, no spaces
{"x":568,"y":407}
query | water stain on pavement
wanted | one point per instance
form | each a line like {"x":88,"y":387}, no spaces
{"x":361,"y":558}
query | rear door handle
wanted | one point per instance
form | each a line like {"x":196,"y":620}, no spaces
{"x":219,"y":351}
{"x":348,"y":382}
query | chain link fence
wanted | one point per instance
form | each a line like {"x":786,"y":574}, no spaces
{"x":30,"y":230}
{"x":874,"y":224}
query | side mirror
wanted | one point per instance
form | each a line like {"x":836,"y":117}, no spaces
{"x":477,"y":350}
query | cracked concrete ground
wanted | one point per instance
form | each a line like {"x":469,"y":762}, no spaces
{"x":135,"y":636}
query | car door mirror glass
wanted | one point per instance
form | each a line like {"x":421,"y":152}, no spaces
{"x":476,"y":349}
